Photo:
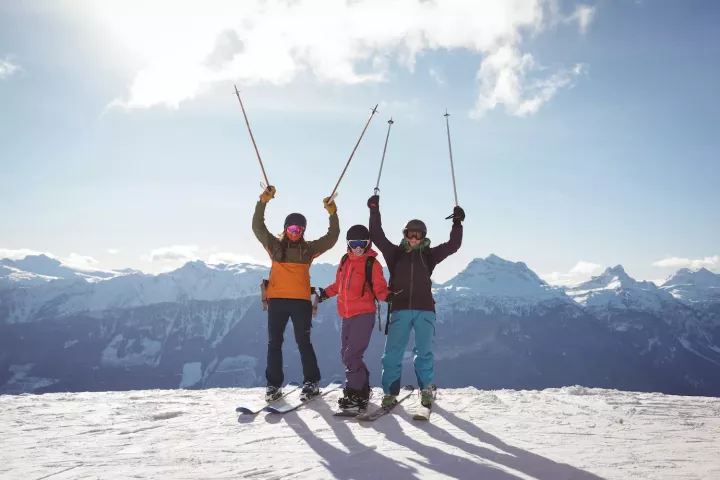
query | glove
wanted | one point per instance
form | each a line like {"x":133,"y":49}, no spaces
{"x":330,"y":207}
{"x":268,"y":194}
{"x":389,"y":297}
{"x":323,"y":295}
{"x":458,"y":215}
{"x":373,"y":202}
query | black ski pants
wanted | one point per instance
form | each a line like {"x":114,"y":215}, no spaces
{"x":280,"y":310}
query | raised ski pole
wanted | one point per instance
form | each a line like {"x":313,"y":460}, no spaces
{"x":262,"y":167}
{"x":382,"y":162}
{"x":452,"y":166}
{"x":332,"y":195}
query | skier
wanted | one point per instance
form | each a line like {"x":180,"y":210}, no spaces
{"x":411,"y":264}
{"x":288,"y":291}
{"x":359,"y":282}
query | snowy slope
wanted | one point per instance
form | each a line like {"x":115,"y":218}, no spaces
{"x":571,"y":433}
{"x":694,"y":286}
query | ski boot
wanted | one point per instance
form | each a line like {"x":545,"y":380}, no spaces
{"x":388,"y":401}
{"x":309,"y":390}
{"x":427,"y":395}
{"x":272,"y":393}
{"x":353,"y":401}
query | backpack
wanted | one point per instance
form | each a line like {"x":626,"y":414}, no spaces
{"x":368,"y":273}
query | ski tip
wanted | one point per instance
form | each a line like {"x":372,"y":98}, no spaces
{"x":242,"y":410}
{"x":293,"y":384}
{"x":270,"y":410}
{"x":336,"y":382}
{"x":409,"y":388}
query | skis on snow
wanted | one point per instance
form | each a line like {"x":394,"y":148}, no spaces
{"x":296,"y":402}
{"x":380,"y":411}
{"x":257,"y":408}
{"x":422,"y":412}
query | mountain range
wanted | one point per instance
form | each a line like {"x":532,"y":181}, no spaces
{"x":499,"y":326}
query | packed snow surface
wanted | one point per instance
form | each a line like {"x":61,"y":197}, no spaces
{"x":556,"y":434}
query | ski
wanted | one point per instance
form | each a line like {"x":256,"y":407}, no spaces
{"x":422,"y":412}
{"x":349,"y":413}
{"x":380,"y":411}
{"x":254,"y":410}
{"x":290,"y":406}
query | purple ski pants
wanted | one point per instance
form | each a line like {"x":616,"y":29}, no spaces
{"x":355,"y":334}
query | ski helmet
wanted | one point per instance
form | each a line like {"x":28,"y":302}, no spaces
{"x":357,"y":232}
{"x":415,"y":225}
{"x":296,"y":219}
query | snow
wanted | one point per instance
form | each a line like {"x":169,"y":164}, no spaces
{"x":616,"y":290}
{"x":693,"y":286}
{"x":192,"y":374}
{"x":22,"y":382}
{"x":569,"y":433}
{"x":127,"y":353}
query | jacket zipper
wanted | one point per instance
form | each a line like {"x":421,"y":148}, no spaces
{"x":412,"y":275}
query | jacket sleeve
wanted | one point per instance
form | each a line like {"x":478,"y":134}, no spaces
{"x":380,"y":286}
{"x":327,"y":241}
{"x":444,"y":250}
{"x":267,"y":239}
{"x":377,"y":235}
{"x":332,"y":289}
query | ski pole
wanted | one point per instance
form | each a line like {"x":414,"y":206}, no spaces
{"x":452,"y":167}
{"x":382,"y":162}
{"x":262,"y":167}
{"x":332,"y":195}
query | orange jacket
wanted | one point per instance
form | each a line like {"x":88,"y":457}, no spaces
{"x":348,"y":286}
{"x":290,"y":271}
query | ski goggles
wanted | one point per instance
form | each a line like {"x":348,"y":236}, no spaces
{"x":294,"y":229}
{"x":358,"y":244}
{"x":415,"y":234}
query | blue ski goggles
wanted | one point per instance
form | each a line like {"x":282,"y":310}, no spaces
{"x":358,"y":244}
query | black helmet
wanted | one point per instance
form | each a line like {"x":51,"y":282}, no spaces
{"x":358,"y":232}
{"x":415,"y":226}
{"x":296,"y":219}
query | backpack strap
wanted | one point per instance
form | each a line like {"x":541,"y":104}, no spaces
{"x":368,"y":276}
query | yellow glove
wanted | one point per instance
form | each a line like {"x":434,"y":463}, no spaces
{"x":330,"y":207}
{"x":268,"y":194}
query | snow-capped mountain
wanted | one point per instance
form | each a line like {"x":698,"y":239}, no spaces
{"x":499,"y":326}
{"x":694,"y":286}
{"x":34,"y":269}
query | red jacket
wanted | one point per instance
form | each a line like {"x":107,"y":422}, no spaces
{"x":348,"y":286}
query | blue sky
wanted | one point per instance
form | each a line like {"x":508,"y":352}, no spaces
{"x":583,"y":134}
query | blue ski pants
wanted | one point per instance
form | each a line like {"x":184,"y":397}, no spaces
{"x":402,"y":322}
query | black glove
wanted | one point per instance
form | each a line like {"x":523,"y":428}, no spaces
{"x":458,"y":215}
{"x":389,"y":297}
{"x":323,"y":295}
{"x":373,"y":202}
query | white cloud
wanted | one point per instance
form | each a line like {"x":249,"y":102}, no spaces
{"x":676,"y":262}
{"x":437,"y":76}
{"x":585,"y":268}
{"x":175,"y":253}
{"x":113,"y":251}
{"x":504,"y":78}
{"x":232,"y":259}
{"x":188,"y":48}
{"x":7,"y":68}
{"x":79,"y":261}
{"x":577,"y":274}
{"x":584,"y":15}
{"x":21,"y":253}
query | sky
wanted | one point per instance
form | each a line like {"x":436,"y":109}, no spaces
{"x":583,"y":133}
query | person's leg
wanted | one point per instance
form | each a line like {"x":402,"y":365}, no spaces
{"x":395,"y":343}
{"x":424,"y":324}
{"x":278,"y":315}
{"x":301,"y":315}
{"x":360,"y":330}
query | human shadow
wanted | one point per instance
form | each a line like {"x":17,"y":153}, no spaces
{"x":437,"y":459}
{"x":536,"y":466}
{"x":359,"y":462}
